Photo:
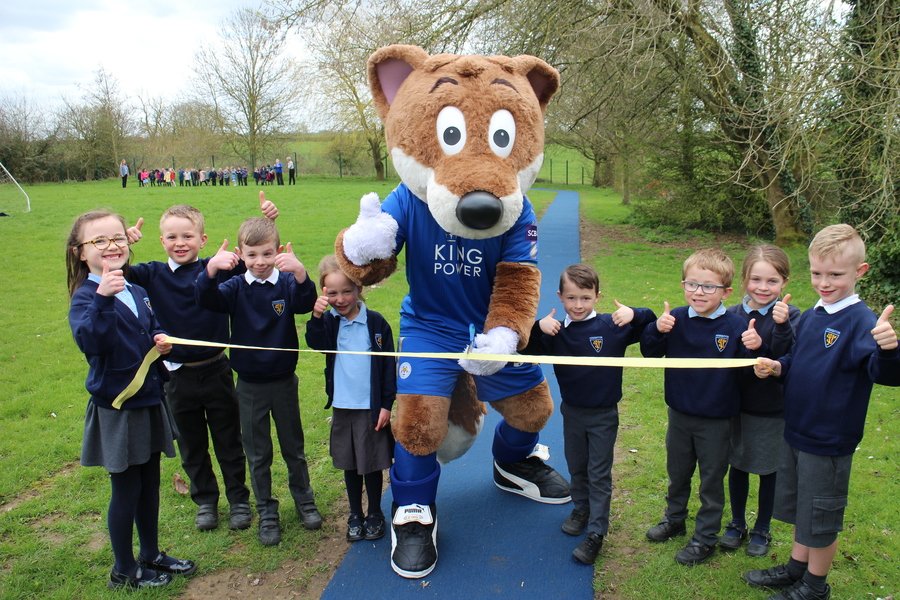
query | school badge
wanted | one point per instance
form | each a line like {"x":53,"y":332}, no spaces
{"x":278,"y":306}
{"x":378,"y":340}
{"x":721,"y":342}
{"x":596,"y":342}
{"x":147,"y":303}
{"x":831,"y":336}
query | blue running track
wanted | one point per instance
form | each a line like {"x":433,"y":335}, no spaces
{"x":490,"y":543}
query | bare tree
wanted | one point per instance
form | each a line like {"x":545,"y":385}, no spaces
{"x":27,"y":138}
{"x":250,"y":83}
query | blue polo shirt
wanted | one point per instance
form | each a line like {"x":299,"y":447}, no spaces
{"x":352,"y":371}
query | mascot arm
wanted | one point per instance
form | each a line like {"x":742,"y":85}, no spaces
{"x":365,"y":250}
{"x":510,"y":316}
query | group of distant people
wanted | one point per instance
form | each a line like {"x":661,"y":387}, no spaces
{"x":236,"y":176}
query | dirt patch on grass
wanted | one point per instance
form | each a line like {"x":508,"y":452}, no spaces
{"x":38,"y":488}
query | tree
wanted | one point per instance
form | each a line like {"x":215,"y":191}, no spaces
{"x":27,"y":138}
{"x":249,"y":82}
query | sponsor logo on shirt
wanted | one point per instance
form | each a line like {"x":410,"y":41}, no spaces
{"x":721,"y":342}
{"x":596,"y":343}
{"x":831,"y":336}
{"x":278,"y":306}
{"x":453,"y":258}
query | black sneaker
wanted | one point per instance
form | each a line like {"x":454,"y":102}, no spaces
{"x":413,"y":540}
{"x":694,"y":553}
{"x":142,"y":579}
{"x":533,"y":479}
{"x":356,"y":530}
{"x":269,"y":532}
{"x":802,"y":591}
{"x":773,"y":577}
{"x":588,"y":549}
{"x":734,"y":536}
{"x":375,"y":526}
{"x":240,"y":516}
{"x":576,"y":521}
{"x":666,"y":530}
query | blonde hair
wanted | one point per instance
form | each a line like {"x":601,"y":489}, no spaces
{"x":711,"y":259}
{"x":257,"y":231}
{"x":768,"y":253}
{"x":328,"y":266}
{"x":76,"y":269}
{"x":185,"y":211}
{"x":840,"y":239}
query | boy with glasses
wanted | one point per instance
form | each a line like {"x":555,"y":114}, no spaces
{"x":701,"y":401}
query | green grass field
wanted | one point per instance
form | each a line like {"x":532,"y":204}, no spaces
{"x":53,"y":541}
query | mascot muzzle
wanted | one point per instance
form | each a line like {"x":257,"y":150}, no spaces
{"x":479,"y":210}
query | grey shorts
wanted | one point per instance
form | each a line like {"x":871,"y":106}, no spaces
{"x":811,"y":493}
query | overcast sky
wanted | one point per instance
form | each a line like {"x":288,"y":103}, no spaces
{"x":48,"y":48}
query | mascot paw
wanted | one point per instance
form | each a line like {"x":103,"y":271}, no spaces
{"x":373,"y":236}
{"x":499,"y":340}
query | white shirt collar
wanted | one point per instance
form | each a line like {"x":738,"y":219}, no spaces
{"x":839,"y":305}
{"x":174,"y":266}
{"x":715,"y":314}
{"x":569,"y":321}
{"x":273,"y":278}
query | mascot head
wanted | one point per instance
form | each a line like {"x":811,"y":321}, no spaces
{"x":465,"y":133}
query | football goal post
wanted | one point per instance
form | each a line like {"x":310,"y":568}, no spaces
{"x":12,"y":197}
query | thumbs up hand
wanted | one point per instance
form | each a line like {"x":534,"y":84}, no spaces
{"x":666,"y":321}
{"x":134,"y":232}
{"x":267,"y":207}
{"x":623,"y":314}
{"x":288,"y":262}
{"x":321,"y":304}
{"x":224,"y":260}
{"x":549,"y":324}
{"x":781,"y":311}
{"x":884,"y":333}
{"x":111,"y":281}
{"x":751,"y":338}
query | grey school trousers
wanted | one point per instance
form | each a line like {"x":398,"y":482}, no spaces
{"x":691,"y":442}
{"x":257,"y":401}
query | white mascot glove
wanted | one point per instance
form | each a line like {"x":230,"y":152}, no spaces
{"x":499,"y":340}
{"x":373,"y":236}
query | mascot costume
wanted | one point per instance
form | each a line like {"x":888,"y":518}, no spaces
{"x":466,"y":135}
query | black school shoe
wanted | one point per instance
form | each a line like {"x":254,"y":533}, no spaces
{"x":534,"y":479}
{"x":694,"y":553}
{"x":666,"y":530}
{"x":576,"y":521}
{"x":207,"y":517}
{"x":413,"y":540}
{"x":802,"y":591}
{"x":759,"y":542}
{"x":356,"y":530}
{"x":269,"y":532}
{"x":734,"y":536}
{"x":773,"y":577}
{"x":142,"y":579}
{"x":240,"y":516}
{"x":375,"y":526}
{"x":588,"y":549}
{"x":309,"y":516}
{"x":168,"y":564}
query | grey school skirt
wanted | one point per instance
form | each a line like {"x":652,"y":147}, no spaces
{"x":756,"y":443}
{"x":117,"y":439}
{"x":356,"y":446}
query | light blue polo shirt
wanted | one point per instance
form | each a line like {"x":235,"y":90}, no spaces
{"x":352,"y":372}
{"x":124,"y":296}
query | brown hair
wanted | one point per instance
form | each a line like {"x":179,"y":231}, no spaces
{"x":329,"y":265}
{"x":711,"y":259}
{"x":257,"y":231}
{"x":773,"y":255}
{"x":582,"y":275}
{"x":185,"y":211}
{"x":838,"y":240}
{"x":76,"y":269}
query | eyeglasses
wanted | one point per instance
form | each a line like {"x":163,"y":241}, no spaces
{"x":708,"y":288}
{"x":103,"y":242}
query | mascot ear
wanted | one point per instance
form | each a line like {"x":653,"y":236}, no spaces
{"x":388,"y":68}
{"x":544,"y":79}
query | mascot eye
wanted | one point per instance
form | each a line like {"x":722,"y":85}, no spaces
{"x":451,"y":130}
{"x":502,"y":133}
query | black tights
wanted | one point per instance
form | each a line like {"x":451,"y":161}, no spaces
{"x":354,"y":482}
{"x":739,"y":489}
{"x":135,"y":499}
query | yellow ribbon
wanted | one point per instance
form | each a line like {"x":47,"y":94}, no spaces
{"x":582,"y":361}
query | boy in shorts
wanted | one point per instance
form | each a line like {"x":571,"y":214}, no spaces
{"x":841,"y":349}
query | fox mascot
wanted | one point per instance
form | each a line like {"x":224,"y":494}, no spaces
{"x":466,"y":136}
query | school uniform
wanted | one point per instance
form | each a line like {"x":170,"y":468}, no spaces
{"x":200,"y":390}
{"x":115,"y":333}
{"x":828,"y":378}
{"x":358,"y":387}
{"x":590,"y":397}
{"x":262,"y":314}
{"x":701,"y":404}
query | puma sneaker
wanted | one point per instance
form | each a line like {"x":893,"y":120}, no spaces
{"x":413,"y":540}
{"x":534,"y":479}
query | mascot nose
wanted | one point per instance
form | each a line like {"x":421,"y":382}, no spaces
{"x":479,"y":210}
